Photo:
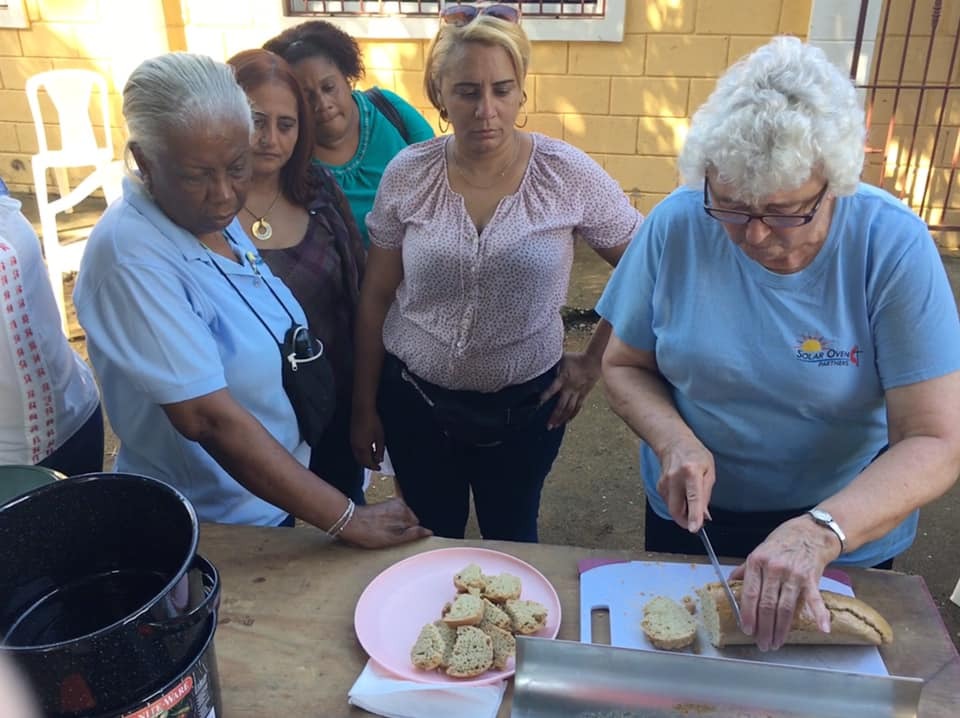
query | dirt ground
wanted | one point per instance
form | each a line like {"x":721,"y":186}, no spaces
{"x":594,"y":497}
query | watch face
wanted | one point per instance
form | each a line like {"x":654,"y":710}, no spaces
{"x":820,"y":515}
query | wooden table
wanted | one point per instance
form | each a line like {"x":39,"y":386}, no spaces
{"x":286,"y":645}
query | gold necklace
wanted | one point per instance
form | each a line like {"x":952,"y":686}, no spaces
{"x":261,"y":226}
{"x":457,"y":164}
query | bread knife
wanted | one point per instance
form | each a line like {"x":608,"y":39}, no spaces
{"x":716,"y":567}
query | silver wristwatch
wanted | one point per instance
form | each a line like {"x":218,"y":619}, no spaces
{"x":824,"y":518}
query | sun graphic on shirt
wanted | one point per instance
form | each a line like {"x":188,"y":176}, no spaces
{"x":811,"y":344}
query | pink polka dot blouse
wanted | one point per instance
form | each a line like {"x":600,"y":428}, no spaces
{"x":482,"y":312}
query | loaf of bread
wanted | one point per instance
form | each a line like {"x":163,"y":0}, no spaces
{"x":852,"y":621}
{"x":667,"y":624}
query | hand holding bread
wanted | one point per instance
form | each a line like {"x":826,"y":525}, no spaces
{"x":668,"y":624}
{"x":781,"y":575}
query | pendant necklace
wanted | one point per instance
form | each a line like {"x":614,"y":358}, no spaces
{"x":261,"y":226}
{"x":457,"y":163}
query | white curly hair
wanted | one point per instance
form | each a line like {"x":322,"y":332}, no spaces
{"x":776,"y":117}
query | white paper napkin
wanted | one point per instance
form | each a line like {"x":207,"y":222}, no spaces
{"x":378,"y":692}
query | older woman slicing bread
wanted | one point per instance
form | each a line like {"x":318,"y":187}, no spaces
{"x":785,"y":343}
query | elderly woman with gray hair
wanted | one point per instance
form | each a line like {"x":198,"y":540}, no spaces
{"x":786,"y":344}
{"x":182,"y":318}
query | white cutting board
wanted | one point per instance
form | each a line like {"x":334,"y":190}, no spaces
{"x":624,"y":588}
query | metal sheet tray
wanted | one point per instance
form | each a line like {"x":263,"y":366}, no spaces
{"x":581,"y":680}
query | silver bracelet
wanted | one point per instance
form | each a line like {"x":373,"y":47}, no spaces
{"x":341,"y":523}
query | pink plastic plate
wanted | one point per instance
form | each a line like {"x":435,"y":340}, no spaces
{"x":396,"y":604}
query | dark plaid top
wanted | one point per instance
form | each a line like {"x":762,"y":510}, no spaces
{"x":324,"y":271}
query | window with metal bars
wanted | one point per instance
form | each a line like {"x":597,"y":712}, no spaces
{"x":566,"y":20}
{"x":572,"y":9}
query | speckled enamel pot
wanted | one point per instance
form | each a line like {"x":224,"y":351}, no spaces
{"x":194,"y":692}
{"x":102,"y":596}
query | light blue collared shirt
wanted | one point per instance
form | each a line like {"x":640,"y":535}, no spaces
{"x":163,"y":325}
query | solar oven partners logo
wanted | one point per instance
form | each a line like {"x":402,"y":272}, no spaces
{"x":814,"y":349}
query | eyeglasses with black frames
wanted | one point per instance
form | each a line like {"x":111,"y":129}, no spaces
{"x":774,"y":221}
{"x":460,"y":14}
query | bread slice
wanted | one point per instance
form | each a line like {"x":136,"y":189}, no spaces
{"x":427,"y":651}
{"x":472,"y":653}
{"x":502,"y":587}
{"x":527,"y":616}
{"x":448,"y":635}
{"x":667,"y":624}
{"x":466,"y":610}
{"x":504,"y":645}
{"x":851,"y":620}
{"x":470,"y":577}
{"x":493,"y":615}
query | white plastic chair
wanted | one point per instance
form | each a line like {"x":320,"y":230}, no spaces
{"x":71,"y":92}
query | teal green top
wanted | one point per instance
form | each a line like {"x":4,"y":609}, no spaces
{"x":379,"y":143}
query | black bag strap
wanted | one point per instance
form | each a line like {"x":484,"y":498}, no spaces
{"x":293,"y":321}
{"x":387,"y":109}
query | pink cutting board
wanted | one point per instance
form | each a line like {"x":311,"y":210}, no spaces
{"x":624,"y":588}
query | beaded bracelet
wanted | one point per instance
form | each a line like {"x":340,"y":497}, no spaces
{"x":341,"y":523}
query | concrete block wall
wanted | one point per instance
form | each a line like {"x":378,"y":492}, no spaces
{"x":108,"y":36}
{"x":627,"y":104}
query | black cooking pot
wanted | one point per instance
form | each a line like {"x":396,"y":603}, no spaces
{"x":102,"y":597}
{"x":193,"y":692}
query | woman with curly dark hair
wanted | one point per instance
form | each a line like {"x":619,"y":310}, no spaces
{"x":356,"y":133}
{"x":306,"y":234}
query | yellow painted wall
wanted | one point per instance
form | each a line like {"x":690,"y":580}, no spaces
{"x":109,"y":36}
{"x":627,"y":104}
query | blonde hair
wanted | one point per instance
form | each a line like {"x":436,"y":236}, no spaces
{"x":484,"y":29}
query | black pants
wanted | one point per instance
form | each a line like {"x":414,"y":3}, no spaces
{"x":732,"y":533}
{"x":437,"y":473}
{"x":332,"y":459}
{"x":82,"y":453}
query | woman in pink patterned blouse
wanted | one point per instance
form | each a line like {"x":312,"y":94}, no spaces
{"x":460,"y":366}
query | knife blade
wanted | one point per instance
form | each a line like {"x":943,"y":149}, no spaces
{"x":723,"y":579}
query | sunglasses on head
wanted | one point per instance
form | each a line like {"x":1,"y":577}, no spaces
{"x":462,"y":14}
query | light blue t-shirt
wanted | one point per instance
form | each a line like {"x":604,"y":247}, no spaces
{"x":163,"y":326}
{"x":782,"y":377}
{"x":379,"y":143}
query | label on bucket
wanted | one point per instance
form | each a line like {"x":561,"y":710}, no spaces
{"x":190,"y":697}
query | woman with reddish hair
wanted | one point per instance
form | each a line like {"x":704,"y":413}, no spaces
{"x":303,"y":227}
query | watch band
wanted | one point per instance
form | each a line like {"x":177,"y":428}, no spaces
{"x":824,"y":518}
